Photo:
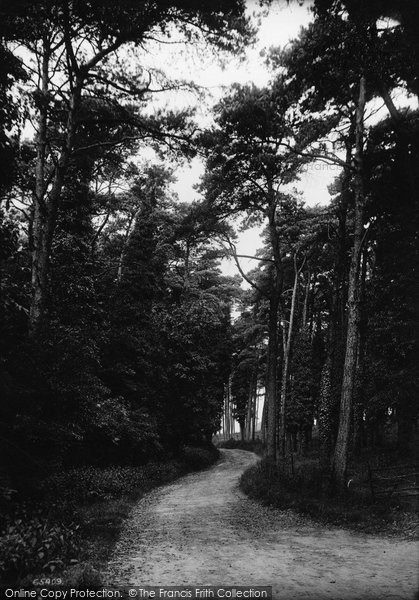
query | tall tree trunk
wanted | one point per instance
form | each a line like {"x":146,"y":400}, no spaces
{"x":271,"y":377}
{"x":342,"y":443}
{"x":39,"y":249}
{"x":255,"y":414}
{"x":224,"y":417}
{"x":46,"y":202}
{"x":331,"y":376}
{"x":227,"y":432}
{"x":263,"y":422}
{"x":272,"y":355}
{"x":252,"y":396}
{"x":306,"y":298}
{"x":326,"y":411}
{"x":360,"y":370}
{"x":286,"y":360}
{"x":249,"y":408}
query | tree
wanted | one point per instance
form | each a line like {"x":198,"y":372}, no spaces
{"x":332,"y":79}
{"x":77,"y":47}
{"x":390,"y":380}
{"x":249,"y":159}
{"x":352,"y":336}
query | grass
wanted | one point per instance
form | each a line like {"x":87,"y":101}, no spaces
{"x":310,"y":491}
{"x":65,"y":526}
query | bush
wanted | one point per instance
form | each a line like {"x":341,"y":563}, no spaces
{"x":29,"y":542}
{"x":199,"y":458}
{"x":309,"y":490}
{"x":48,"y":531}
{"x":276,"y":485}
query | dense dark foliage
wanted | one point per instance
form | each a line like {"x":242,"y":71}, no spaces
{"x":132,"y":363}
{"x":115,"y":317}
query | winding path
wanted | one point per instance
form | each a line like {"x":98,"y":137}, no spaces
{"x":201,"y":530}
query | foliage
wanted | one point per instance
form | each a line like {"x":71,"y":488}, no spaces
{"x":132,"y":363}
{"x":48,"y":531}
{"x":29,"y":542}
{"x":308,"y":491}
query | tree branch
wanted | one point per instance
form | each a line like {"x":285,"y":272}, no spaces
{"x":67,"y":40}
{"x":328,"y":158}
{"x":256,"y":258}
{"x":233,"y":253}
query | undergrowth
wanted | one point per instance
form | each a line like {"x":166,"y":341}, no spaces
{"x":310,"y":491}
{"x":66,"y":523}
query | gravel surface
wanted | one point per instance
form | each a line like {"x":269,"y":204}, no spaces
{"x":202,"y":530}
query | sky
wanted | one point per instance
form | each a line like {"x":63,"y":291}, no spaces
{"x":280,"y":25}
{"x":277,"y":27}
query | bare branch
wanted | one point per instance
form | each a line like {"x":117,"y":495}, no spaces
{"x":233,"y":253}
{"x":256,"y":258}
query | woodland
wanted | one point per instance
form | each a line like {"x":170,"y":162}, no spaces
{"x":121,"y":339}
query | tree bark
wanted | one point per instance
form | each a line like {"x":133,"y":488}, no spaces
{"x":286,"y":361}
{"x":263,"y":422}
{"x":360,"y":366}
{"x":331,"y":377}
{"x":255,"y":413}
{"x":48,"y":186}
{"x":272,"y":355}
{"x":271,"y":377}
{"x":46,"y":202}
{"x":305,"y":305}
{"x":340,"y":459}
{"x":39,"y":251}
{"x":252,"y":397}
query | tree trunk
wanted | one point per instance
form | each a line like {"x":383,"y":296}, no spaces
{"x":271,"y":377}
{"x":255,"y":414}
{"x":252,"y":397}
{"x":272,"y":356}
{"x":46,"y":203}
{"x":286,"y":361}
{"x":39,"y":249}
{"x":306,"y":298}
{"x":263,"y":423}
{"x":360,"y":370}
{"x":331,"y":376}
{"x":249,"y":408}
{"x":326,"y":412}
{"x":227,"y":431}
{"x":342,"y":442}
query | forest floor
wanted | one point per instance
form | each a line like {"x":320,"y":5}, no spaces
{"x":202,"y":530}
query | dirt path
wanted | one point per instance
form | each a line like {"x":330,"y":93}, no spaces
{"x":201,"y":530}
